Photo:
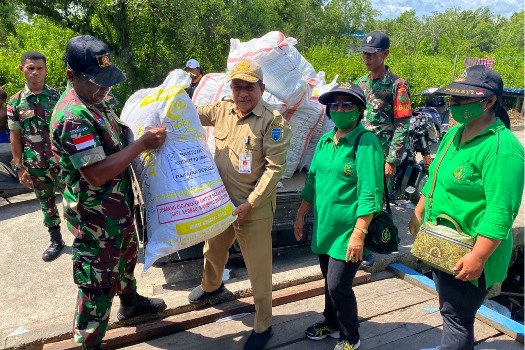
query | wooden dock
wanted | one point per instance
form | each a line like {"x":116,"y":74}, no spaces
{"x":393,"y":313}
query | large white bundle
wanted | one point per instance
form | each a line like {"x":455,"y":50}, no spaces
{"x":186,"y":201}
{"x":212,"y":88}
{"x":303,"y":121}
{"x":287,"y":75}
{"x":308,"y":155}
{"x":325,"y":124}
{"x":328,"y":125}
{"x":289,"y":81}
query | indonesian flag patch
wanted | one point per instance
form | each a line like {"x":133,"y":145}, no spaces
{"x":84,"y":142}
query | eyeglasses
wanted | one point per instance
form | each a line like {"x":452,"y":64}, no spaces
{"x":345,"y":106}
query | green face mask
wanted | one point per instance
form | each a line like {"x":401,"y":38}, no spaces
{"x":467,"y":112}
{"x":344,"y":120}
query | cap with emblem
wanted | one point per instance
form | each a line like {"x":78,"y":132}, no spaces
{"x":375,"y":41}
{"x":192,"y":63}
{"x":247,"y":70}
{"x":352,"y":90}
{"x":476,"y":81}
{"x":90,"y":56}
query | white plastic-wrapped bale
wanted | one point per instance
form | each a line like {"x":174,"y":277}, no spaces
{"x":308,"y":155}
{"x":303,"y":121}
{"x":289,"y":80}
{"x":325,"y":124}
{"x":286,"y":72}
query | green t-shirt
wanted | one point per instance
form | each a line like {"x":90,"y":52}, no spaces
{"x":480,"y":184}
{"x":342,"y":189}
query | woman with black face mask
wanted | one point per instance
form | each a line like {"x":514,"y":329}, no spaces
{"x":478,"y":184}
{"x":345,"y":188}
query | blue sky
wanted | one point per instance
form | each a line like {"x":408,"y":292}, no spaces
{"x":393,"y":8}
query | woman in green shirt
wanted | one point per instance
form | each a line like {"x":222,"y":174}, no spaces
{"x":345,"y":188}
{"x":479,"y":184}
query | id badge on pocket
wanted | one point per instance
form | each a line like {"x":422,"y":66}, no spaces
{"x":245,"y":163}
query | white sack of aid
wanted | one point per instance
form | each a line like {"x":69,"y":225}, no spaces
{"x":185,"y":200}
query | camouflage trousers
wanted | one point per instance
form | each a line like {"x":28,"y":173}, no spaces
{"x":45,"y":184}
{"x":101,"y":269}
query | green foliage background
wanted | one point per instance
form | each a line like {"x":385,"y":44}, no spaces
{"x":149,"y":38}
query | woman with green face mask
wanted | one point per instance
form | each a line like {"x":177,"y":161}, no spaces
{"x":345,"y":189}
{"x":478,"y":184}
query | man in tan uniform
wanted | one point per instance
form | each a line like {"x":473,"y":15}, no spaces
{"x":251,"y":143}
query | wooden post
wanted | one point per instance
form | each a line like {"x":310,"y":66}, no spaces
{"x":455,"y":63}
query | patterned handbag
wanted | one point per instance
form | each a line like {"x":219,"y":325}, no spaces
{"x":438,"y":245}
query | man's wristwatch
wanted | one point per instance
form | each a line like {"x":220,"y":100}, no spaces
{"x":16,"y":167}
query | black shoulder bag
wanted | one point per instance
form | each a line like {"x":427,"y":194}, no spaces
{"x":382,"y":236}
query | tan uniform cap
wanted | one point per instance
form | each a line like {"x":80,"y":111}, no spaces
{"x":247,"y":70}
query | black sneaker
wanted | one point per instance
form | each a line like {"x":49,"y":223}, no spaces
{"x":133,"y":305}
{"x":321,"y":330}
{"x":257,"y":341}
{"x":198,"y":294}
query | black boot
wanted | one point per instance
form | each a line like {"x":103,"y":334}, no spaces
{"x":56,"y":245}
{"x":91,"y":347}
{"x":133,"y":305}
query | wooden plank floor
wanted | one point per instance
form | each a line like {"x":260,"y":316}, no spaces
{"x":393,"y":313}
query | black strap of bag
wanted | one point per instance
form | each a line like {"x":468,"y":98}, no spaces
{"x":382,"y":234}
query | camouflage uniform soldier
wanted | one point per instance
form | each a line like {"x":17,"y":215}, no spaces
{"x":94,"y":152}
{"x":388,"y":108}
{"x":29,"y":114}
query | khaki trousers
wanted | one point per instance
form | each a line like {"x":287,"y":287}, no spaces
{"x":255,"y":239}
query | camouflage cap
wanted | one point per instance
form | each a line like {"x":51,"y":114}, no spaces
{"x":90,"y":56}
{"x":247,"y":70}
{"x":476,"y":81}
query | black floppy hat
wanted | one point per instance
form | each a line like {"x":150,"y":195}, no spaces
{"x":475,"y":81}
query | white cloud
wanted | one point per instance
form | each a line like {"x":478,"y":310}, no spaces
{"x":393,"y":8}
